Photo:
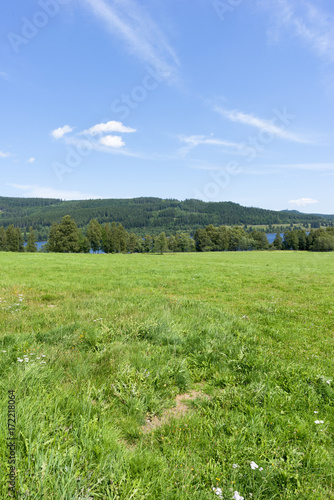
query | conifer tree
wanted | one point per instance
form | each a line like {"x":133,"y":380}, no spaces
{"x":52,"y":244}
{"x":13,"y":243}
{"x":3,"y":240}
{"x":84,"y":243}
{"x":106,"y":235}
{"x":31,"y":245}
{"x":20,"y":239}
{"x":114,"y":239}
{"x":277,"y":243}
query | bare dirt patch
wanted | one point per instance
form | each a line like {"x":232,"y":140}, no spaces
{"x":177,"y":412}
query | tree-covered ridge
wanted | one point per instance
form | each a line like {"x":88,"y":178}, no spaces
{"x":141,"y":215}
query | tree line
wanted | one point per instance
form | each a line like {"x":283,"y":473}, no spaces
{"x":111,"y":238}
{"x":11,"y":240}
{"x":236,"y":238}
{"x":66,"y":237}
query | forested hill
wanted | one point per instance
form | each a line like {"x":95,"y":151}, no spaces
{"x":142,"y":214}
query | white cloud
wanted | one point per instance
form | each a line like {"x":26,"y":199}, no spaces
{"x":275,"y":169}
{"x":269,"y":169}
{"x":314,"y":167}
{"x":33,"y":191}
{"x":93,"y":145}
{"x":58,"y":133}
{"x":305,"y":20}
{"x":31,"y":160}
{"x":4,"y":155}
{"x":259,"y":123}
{"x":112,"y":141}
{"x":196,"y":140}
{"x":111,"y":126}
{"x":106,"y":142}
{"x":193,"y":141}
{"x":303,"y":202}
{"x":129,"y":20}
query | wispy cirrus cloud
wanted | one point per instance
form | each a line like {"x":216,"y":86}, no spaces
{"x":273,"y":169}
{"x":305,"y":20}
{"x":259,"y":123}
{"x":31,"y":160}
{"x":58,"y":133}
{"x":303,"y":202}
{"x":266,"y":169}
{"x":34,"y":191}
{"x":313,"y":167}
{"x":196,"y":140}
{"x":129,"y":20}
{"x":192,"y":141}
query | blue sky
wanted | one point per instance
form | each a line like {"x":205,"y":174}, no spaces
{"x":221,"y":100}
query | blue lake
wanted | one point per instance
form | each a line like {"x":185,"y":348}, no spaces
{"x":272,"y":236}
{"x":40,"y":243}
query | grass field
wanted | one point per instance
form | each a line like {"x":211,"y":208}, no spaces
{"x":164,"y":377}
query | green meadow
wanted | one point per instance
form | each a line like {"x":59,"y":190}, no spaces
{"x":167,"y":376}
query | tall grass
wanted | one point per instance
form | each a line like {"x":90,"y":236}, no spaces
{"x":118,"y":337}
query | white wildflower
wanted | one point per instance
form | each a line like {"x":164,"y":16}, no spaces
{"x":328,"y":381}
{"x":218,"y":491}
{"x":237,"y":496}
{"x":316,"y":412}
{"x":4,"y":351}
{"x":261,"y":468}
{"x":235,"y":466}
{"x":26,"y":359}
{"x":43,"y":362}
{"x":254,"y":465}
{"x":318,"y":421}
{"x":20,"y":360}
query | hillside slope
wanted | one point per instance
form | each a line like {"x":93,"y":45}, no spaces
{"x":142,"y":214}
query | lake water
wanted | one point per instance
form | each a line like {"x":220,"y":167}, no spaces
{"x":270,"y":236}
{"x":40,"y":243}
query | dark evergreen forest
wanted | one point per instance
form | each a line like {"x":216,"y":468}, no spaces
{"x":146,"y":215}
